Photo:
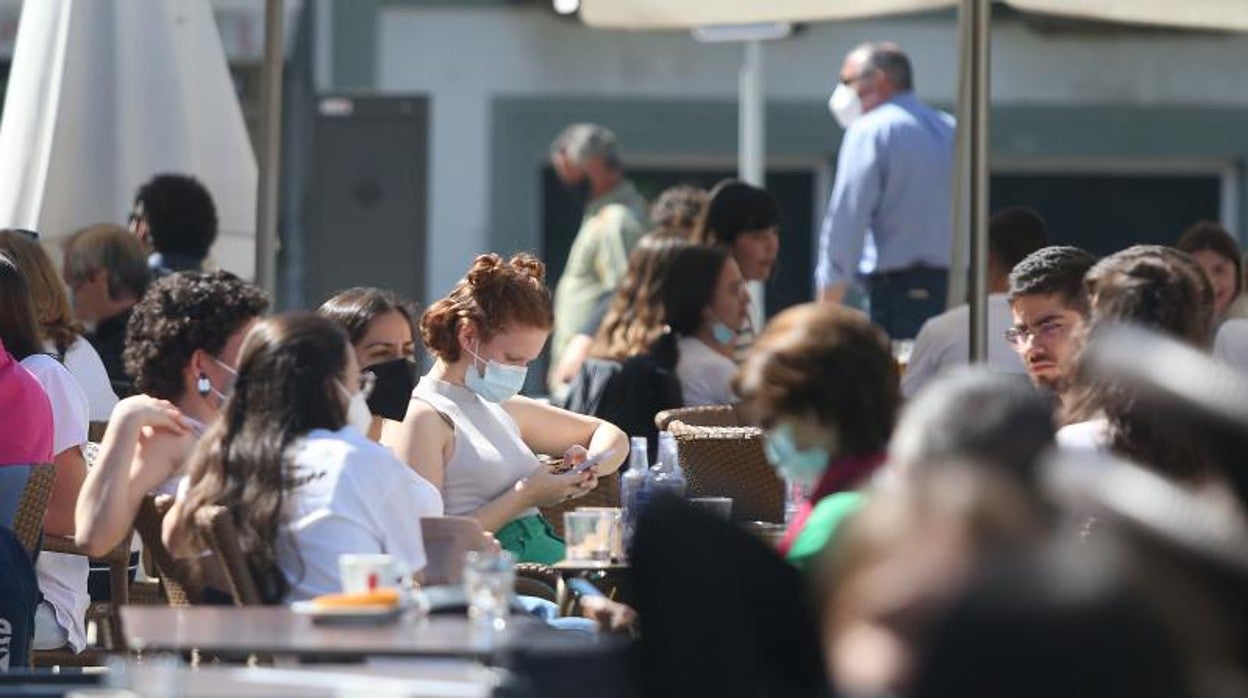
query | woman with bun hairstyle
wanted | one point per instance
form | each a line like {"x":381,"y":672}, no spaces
{"x":470,"y":433}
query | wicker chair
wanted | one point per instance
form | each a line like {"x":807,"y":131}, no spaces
{"x":710,"y":416}
{"x":216,"y":527}
{"x":177,"y":585}
{"x":729,"y":462}
{"x":606,"y":494}
{"x":103,"y":614}
{"x":95,"y":431}
{"x":28,"y":519}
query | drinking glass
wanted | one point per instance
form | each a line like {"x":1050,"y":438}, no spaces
{"x":489,"y":583}
{"x":716,"y":506}
{"x":588,"y":534}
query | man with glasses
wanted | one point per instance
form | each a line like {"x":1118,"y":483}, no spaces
{"x":944,"y":341}
{"x":175,"y":216}
{"x":889,"y":217}
{"x":1048,"y":302}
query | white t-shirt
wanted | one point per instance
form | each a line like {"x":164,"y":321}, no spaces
{"x":944,"y":342}
{"x":63,"y":578}
{"x":352,"y":496}
{"x":1231,"y":344}
{"x":705,"y":374}
{"x":1083,"y":437}
{"x":83,"y":362}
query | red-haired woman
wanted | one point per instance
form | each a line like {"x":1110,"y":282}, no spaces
{"x":469,"y":432}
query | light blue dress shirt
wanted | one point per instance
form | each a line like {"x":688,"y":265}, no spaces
{"x":891,"y":203}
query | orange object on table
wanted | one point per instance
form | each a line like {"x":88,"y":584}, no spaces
{"x":376,"y":597}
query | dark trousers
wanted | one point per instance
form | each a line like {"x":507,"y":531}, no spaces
{"x":901,"y":301}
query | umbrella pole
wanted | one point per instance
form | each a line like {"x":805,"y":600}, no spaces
{"x":271,"y":148}
{"x":751,"y":117}
{"x":971,"y":185}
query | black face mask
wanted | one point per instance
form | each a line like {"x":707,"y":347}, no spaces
{"x":393,"y":389}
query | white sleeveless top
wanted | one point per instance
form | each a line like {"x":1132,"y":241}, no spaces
{"x":488,"y":457}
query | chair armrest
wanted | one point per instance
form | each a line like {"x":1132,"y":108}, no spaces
{"x":64,"y":544}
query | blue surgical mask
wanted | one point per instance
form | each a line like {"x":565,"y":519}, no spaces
{"x":804,"y":465}
{"x":723,"y":333}
{"x":498,"y":382}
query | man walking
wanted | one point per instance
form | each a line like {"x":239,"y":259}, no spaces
{"x":586,"y":157}
{"x":888,"y":219}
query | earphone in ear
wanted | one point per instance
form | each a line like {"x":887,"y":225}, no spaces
{"x":203,"y":386}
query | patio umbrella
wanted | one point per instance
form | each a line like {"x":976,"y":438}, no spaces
{"x":102,"y":96}
{"x":1223,"y":15}
{"x":971,"y":183}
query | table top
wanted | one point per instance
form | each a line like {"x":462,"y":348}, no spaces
{"x":427,"y":678}
{"x":458,"y":681}
{"x":279,"y":631}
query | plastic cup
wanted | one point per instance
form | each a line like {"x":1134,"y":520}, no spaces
{"x":489,"y":584}
{"x":720,"y":507}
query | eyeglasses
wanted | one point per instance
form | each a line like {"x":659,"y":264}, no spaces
{"x":1020,"y":336}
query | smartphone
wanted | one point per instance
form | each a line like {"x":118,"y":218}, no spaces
{"x":592,"y":461}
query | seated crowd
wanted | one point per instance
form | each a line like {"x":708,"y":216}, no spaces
{"x":935,"y":524}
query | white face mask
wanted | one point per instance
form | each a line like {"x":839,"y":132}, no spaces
{"x":358,"y":415}
{"x":845,"y":105}
{"x":499,"y":382}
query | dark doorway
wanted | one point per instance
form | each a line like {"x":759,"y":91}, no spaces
{"x":1104,"y":213}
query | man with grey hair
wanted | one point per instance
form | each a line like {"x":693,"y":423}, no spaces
{"x":586,"y":157}
{"x":889,"y":217}
{"x":105,"y":268}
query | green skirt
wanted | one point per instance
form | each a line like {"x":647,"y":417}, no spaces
{"x":531,"y":539}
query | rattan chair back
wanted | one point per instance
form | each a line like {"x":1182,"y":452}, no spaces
{"x":216,"y":527}
{"x":33,"y":506}
{"x":176,"y":579}
{"x":709,"y":416}
{"x":730,"y":462}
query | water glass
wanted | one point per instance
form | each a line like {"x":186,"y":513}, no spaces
{"x":615,"y":516}
{"x":489,"y":583}
{"x":720,"y":507}
{"x":591,"y":534}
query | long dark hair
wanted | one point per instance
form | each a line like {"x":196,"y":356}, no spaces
{"x":287,"y":385}
{"x":1166,"y":290}
{"x":695,"y":270}
{"x":18,"y":328}
{"x":637,"y":318}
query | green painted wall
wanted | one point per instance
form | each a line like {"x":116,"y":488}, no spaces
{"x":523,"y":127}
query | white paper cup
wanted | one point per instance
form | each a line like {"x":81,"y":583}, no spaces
{"x":362,"y":573}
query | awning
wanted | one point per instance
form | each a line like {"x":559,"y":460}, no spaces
{"x":1219,"y":15}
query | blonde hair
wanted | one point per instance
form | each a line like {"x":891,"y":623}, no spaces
{"x":56,"y":318}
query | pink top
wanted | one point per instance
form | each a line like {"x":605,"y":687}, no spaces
{"x":26,"y":420}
